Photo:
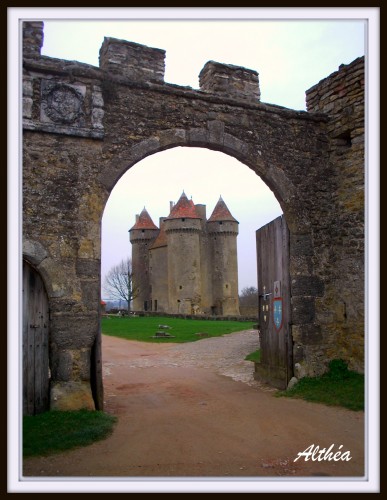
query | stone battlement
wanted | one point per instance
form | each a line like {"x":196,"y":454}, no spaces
{"x":230,"y":80}
{"x":132,"y":60}
{"x":140,"y":63}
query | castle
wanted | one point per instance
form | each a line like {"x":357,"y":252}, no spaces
{"x":189,"y":264}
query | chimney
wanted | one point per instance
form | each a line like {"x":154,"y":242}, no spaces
{"x":171,"y":205}
{"x":137,"y":217}
{"x":201,"y":210}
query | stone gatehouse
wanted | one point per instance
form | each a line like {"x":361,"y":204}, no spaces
{"x":85,"y":126}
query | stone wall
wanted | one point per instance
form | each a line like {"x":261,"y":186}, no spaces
{"x":84,"y":127}
{"x":341,"y":311}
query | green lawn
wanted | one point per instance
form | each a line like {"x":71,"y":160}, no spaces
{"x":182,"y":330}
{"x":338,"y":387}
{"x":57,"y":431}
{"x":254,"y":356}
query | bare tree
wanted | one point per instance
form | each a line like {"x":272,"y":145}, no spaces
{"x":249,"y":296}
{"x":119,"y":282}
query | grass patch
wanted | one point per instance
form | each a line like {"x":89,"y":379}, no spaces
{"x":254,"y":356}
{"x":57,"y":431}
{"x":338,"y":387}
{"x":183,"y":330}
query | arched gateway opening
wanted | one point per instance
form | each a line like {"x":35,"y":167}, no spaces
{"x":205,"y":176}
{"x":241,"y":190}
{"x":84,"y":127}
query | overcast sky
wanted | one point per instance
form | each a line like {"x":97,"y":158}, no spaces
{"x":290,"y":56}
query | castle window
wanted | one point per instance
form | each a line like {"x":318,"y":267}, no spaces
{"x":182,"y":220}
{"x":180,"y":287}
{"x":142,"y":230}
{"x":220,"y":223}
{"x":155,"y":302}
{"x":226,"y":286}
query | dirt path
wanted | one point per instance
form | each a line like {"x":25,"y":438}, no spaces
{"x":194,"y":410}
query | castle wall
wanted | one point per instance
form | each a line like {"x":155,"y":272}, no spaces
{"x":206,"y":272}
{"x":158,"y":268}
{"x":184,"y":266}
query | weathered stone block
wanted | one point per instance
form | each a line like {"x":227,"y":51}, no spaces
{"x":61,"y":365}
{"x":71,"y":395}
{"x":301,"y":244}
{"x":308,"y":334}
{"x":307,"y":286}
{"x":88,"y":267}
{"x":303,"y":310}
{"x":75,"y":331}
{"x":90,"y":295}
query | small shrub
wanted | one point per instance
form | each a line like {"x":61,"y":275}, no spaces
{"x":338,"y":370}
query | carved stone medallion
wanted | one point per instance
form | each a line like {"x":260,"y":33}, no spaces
{"x":61,"y":103}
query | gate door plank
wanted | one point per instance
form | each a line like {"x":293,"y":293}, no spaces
{"x":35,"y":343}
{"x":275,"y":366}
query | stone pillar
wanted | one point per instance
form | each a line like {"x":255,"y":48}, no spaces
{"x":234,"y":81}
{"x":32,"y":39}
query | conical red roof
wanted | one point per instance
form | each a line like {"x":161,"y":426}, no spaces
{"x":184,"y":208}
{"x":144,"y":221}
{"x":161,"y":240}
{"x":221,"y":213}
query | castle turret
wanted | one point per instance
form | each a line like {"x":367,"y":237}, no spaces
{"x":183,"y":228}
{"x":158,"y":271}
{"x":223,"y":231}
{"x":142,"y":235}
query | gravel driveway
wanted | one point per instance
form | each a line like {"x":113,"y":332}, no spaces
{"x":195,"y":410}
{"x":225,"y":355}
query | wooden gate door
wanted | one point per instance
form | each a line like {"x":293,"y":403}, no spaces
{"x":35,"y":343}
{"x":276,"y":365}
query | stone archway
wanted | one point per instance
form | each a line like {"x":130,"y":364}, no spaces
{"x":122,"y":112}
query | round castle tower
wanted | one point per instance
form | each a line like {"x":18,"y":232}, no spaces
{"x":183,"y":228}
{"x":223,"y":230}
{"x":142,"y":235}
